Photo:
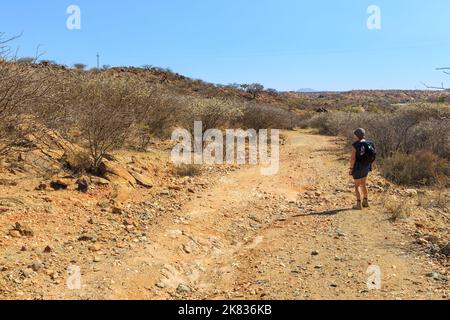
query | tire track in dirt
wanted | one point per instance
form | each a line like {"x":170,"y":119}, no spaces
{"x":288,"y":236}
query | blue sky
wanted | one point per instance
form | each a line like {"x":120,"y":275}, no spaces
{"x":283,"y":44}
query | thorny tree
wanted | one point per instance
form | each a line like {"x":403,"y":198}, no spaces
{"x":22,"y":89}
{"x":106,"y":108}
{"x":156,"y":112}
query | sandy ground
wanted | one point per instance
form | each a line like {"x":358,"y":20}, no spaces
{"x":240,"y":236}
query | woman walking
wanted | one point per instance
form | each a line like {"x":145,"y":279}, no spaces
{"x":363,"y":155}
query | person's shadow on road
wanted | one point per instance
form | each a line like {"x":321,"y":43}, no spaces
{"x":325,"y":213}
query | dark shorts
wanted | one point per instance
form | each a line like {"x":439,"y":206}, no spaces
{"x":361,"y":171}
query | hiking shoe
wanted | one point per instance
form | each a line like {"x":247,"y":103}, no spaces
{"x":365,"y":203}
{"x":358,"y":206}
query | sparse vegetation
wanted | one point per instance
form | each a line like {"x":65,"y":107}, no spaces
{"x":106,"y":115}
{"x":110,"y":108}
{"x":155,"y":113}
{"x":262,"y":116}
{"x":187,"y":170}
{"x":397,"y":208}
{"x":77,"y":162}
{"x":214,"y":113}
{"x":420,"y":168}
{"x":80,"y":66}
{"x":255,"y":89}
{"x":23,"y":89}
{"x":413,"y":142}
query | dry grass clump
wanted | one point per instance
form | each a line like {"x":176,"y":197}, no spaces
{"x":77,"y":162}
{"x":187,"y":170}
{"x":398,"y":208}
{"x":439,"y":199}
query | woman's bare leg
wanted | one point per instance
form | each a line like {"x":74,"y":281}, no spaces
{"x":365,"y":191}
{"x":357,"y":190}
{"x":358,"y":195}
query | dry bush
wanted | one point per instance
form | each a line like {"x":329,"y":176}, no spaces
{"x":439,"y":198}
{"x":262,"y":116}
{"x":22,"y":90}
{"x":414,"y":140}
{"x":335,"y":123}
{"x":393,"y":132}
{"x":255,"y":89}
{"x":77,"y":162}
{"x":155,"y":115}
{"x":421,"y":168}
{"x":398,"y":208}
{"x":187,"y":170}
{"x":80,"y":66}
{"x":433,"y":135}
{"x":106,"y":113}
{"x":408,"y":130}
{"x":214,"y":113}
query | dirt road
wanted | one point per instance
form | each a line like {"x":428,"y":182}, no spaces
{"x":288,"y":236}
{"x":241,"y":236}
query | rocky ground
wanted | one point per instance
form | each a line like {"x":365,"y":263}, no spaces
{"x":145,"y":233}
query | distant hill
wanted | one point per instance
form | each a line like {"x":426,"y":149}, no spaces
{"x":306,"y":90}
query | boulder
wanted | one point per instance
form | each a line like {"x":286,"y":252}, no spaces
{"x":37,"y":266}
{"x":22,"y":230}
{"x":100,"y":181}
{"x":42,"y":186}
{"x":446,"y":250}
{"x":183,"y":288}
{"x":83,"y":184}
{"x":48,"y":249}
{"x":14,"y":233}
{"x":88,"y":237}
{"x":116,"y":174}
{"x":59,"y":184}
{"x":142,"y":180}
{"x":121,"y":193}
{"x":411,"y":193}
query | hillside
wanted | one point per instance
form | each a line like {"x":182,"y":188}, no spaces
{"x":181,"y":85}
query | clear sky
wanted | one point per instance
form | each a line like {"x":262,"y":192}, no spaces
{"x":283,"y":44}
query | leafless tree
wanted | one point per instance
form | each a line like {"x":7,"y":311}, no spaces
{"x":156,"y":111}
{"x":444,"y":70}
{"x":255,"y":89}
{"x":80,"y":66}
{"x":214,"y":113}
{"x":22,"y":89}
{"x":106,"y":107}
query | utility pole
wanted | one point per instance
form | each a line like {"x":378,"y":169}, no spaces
{"x":98,"y":60}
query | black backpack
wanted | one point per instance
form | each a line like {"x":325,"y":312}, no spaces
{"x":367,"y":153}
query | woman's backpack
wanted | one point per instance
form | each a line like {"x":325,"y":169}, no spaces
{"x":366,"y":152}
